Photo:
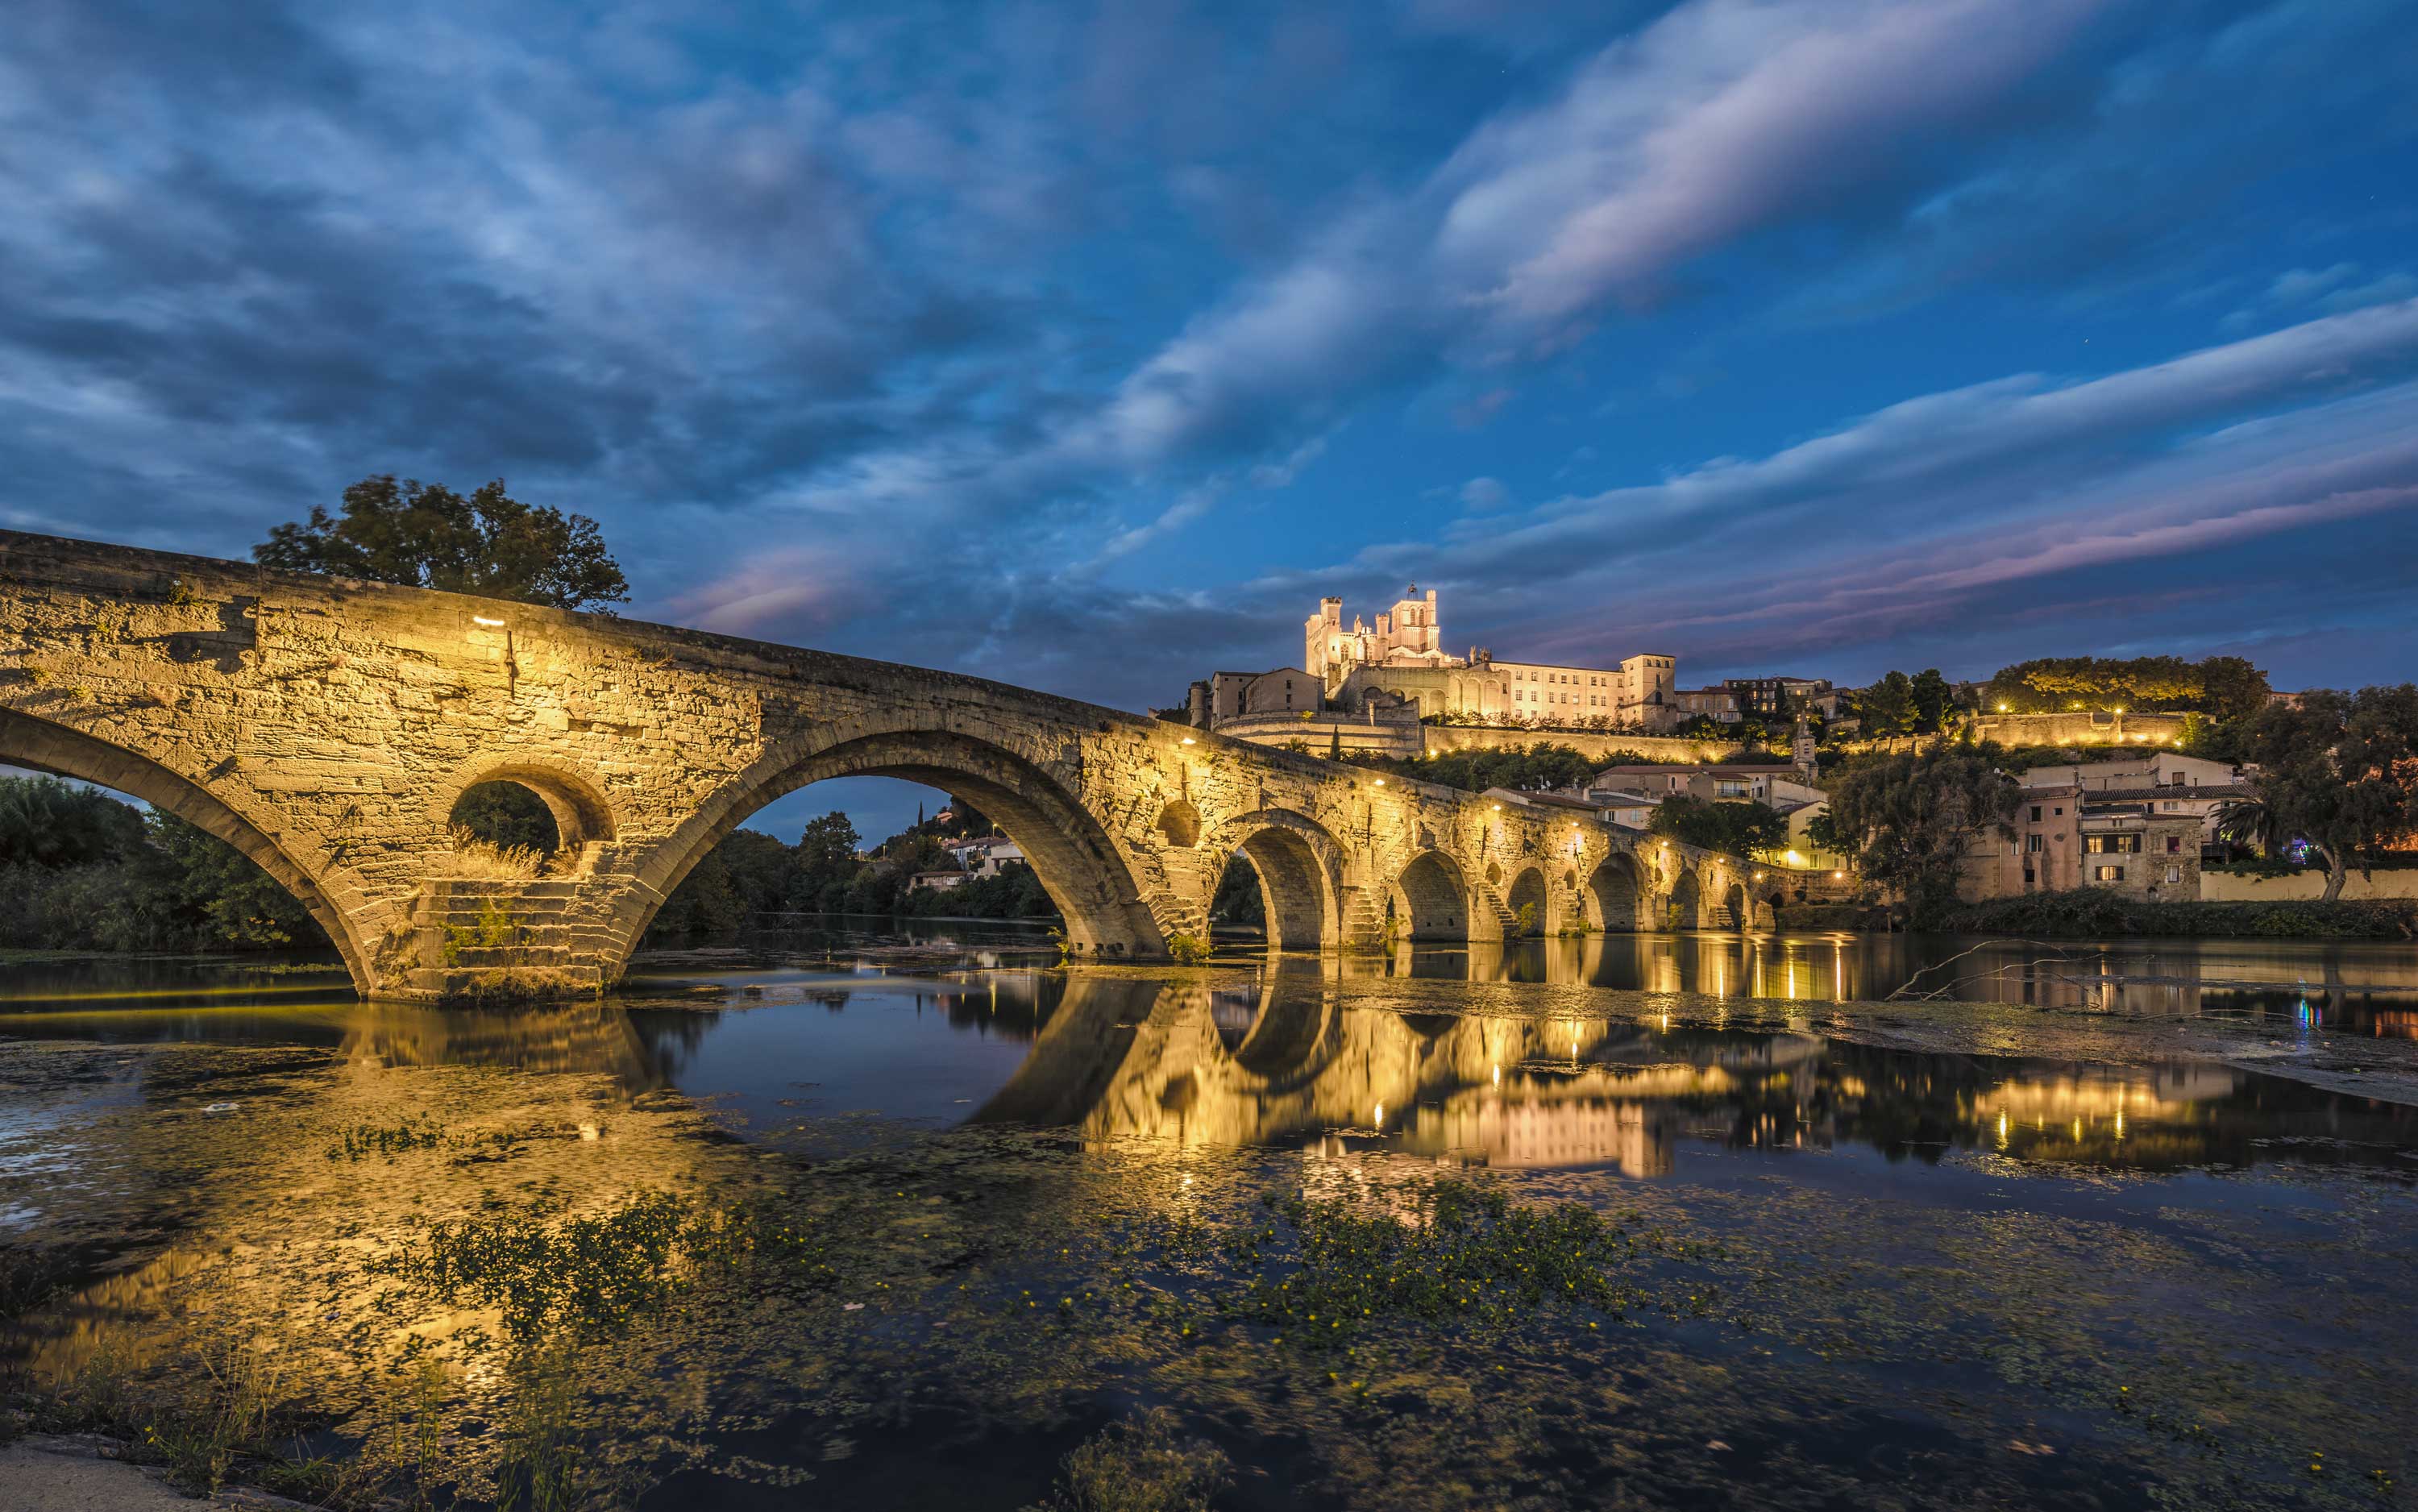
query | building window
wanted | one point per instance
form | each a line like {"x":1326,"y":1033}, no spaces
{"x":2117,"y":845}
{"x":2032,"y":843}
{"x":2108,"y":873}
{"x":2174,"y":844}
{"x":2174,"y":874}
{"x":2036,"y":813}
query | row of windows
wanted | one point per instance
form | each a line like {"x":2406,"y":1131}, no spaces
{"x":1523,"y":696}
{"x":1592,"y":679}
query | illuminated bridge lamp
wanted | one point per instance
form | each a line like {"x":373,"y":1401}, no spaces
{"x":483,"y":620}
{"x":1381,"y":781}
{"x":1189,"y":740}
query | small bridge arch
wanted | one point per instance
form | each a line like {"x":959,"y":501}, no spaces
{"x":1299,"y":864}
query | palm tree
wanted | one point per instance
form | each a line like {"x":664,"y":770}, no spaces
{"x":2247,"y":821}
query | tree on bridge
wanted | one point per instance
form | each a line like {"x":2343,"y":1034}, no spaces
{"x":425,"y":535}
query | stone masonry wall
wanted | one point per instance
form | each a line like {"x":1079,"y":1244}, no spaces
{"x":327,"y":728}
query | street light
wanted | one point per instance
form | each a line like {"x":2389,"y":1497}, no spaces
{"x":1189,"y":741}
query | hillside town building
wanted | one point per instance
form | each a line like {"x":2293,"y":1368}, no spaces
{"x":2140,"y":825}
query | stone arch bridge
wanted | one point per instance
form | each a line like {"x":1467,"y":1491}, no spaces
{"x":326,"y":727}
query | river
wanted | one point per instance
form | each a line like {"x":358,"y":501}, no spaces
{"x":917,"y":1217}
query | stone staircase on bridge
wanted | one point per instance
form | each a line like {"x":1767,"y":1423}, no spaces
{"x":507,"y":938}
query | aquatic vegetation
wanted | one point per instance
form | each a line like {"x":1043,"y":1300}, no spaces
{"x":365,"y":1140}
{"x":595,"y":1273}
{"x":1142,"y":1464}
{"x":231,"y":1415}
{"x":1438,"y":1251}
{"x":541,"y":1468}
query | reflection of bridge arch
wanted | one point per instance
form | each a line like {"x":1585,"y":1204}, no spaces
{"x":1298,"y":863}
{"x":42,"y":746}
{"x":1070,"y":854}
{"x":1433,"y":897}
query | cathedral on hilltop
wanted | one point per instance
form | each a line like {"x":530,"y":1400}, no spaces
{"x":1399,"y":666}
{"x":1404,"y":658}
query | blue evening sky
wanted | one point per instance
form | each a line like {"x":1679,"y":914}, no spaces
{"x":1086,"y":346}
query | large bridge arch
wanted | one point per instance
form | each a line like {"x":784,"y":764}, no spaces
{"x":1432,"y":898}
{"x":1684,"y":908}
{"x":1526,"y":889}
{"x":1069,"y":850}
{"x":1616,"y":894}
{"x":1298,"y":863}
{"x":27,"y":741}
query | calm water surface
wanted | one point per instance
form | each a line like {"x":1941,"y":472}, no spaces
{"x":993,"y":1208}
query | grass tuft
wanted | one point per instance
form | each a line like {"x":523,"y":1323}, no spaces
{"x":1143,"y":1464}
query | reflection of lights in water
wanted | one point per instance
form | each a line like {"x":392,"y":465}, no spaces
{"x":1380,"y":1122}
{"x":2002,"y":1128}
{"x":1498,"y":1074}
{"x":329,"y":986}
{"x":2119,"y":1120}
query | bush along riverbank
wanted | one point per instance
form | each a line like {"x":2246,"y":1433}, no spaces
{"x":2090,"y":911}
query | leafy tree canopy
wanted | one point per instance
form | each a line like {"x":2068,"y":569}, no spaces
{"x":425,"y":535}
{"x":1738,"y":828}
{"x":46,"y":822}
{"x":1908,"y":819}
{"x":2227,"y":687}
{"x":1888,"y":707}
{"x":81,"y":870}
{"x":2340,"y":770}
{"x":1540,"y":767}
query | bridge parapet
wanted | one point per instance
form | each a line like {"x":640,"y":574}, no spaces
{"x":327,"y":728}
